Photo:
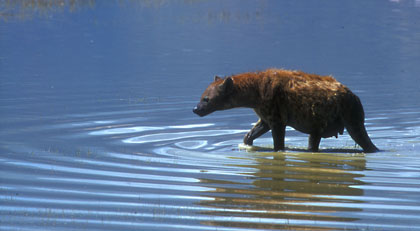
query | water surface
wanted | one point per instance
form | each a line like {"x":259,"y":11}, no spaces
{"x":97,"y":130}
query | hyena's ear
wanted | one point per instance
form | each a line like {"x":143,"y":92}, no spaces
{"x":227,"y":85}
{"x":217,"y":78}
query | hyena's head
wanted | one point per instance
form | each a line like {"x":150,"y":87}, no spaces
{"x":216,"y":97}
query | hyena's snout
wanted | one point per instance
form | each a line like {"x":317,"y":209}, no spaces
{"x":196,"y":110}
{"x":202,"y":109}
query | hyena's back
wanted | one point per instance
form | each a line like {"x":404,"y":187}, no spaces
{"x":311,"y":103}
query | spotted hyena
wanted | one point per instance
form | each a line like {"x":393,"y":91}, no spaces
{"x":317,"y":105}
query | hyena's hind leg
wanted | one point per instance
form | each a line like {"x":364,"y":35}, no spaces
{"x":354,"y":121}
{"x":358,"y":132}
{"x":258,"y":130}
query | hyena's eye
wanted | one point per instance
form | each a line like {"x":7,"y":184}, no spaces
{"x":206,"y":99}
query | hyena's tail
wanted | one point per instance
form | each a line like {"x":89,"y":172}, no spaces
{"x":354,"y":119}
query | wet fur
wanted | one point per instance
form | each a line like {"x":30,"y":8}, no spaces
{"x":317,"y":105}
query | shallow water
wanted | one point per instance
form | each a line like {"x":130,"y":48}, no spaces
{"x":97,"y":131}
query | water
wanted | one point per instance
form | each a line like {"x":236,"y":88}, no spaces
{"x":97,"y":130}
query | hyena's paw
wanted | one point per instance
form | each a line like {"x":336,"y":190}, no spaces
{"x":248,"y":139}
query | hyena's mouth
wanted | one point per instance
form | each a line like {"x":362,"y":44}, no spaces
{"x":199,"y":112}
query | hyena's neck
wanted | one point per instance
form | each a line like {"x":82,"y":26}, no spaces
{"x":246,"y":91}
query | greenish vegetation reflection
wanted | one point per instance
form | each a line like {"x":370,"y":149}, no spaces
{"x":29,"y":9}
{"x":290,"y":187}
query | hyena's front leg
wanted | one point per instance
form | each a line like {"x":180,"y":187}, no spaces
{"x":313,"y":143}
{"x":278,"y":131}
{"x":258,"y":130}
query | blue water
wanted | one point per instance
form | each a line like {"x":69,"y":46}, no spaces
{"x":97,"y":130}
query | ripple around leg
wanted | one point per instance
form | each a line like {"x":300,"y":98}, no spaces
{"x":195,"y":144}
{"x":179,"y":135}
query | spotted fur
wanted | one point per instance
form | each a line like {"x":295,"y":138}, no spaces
{"x":317,"y":105}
